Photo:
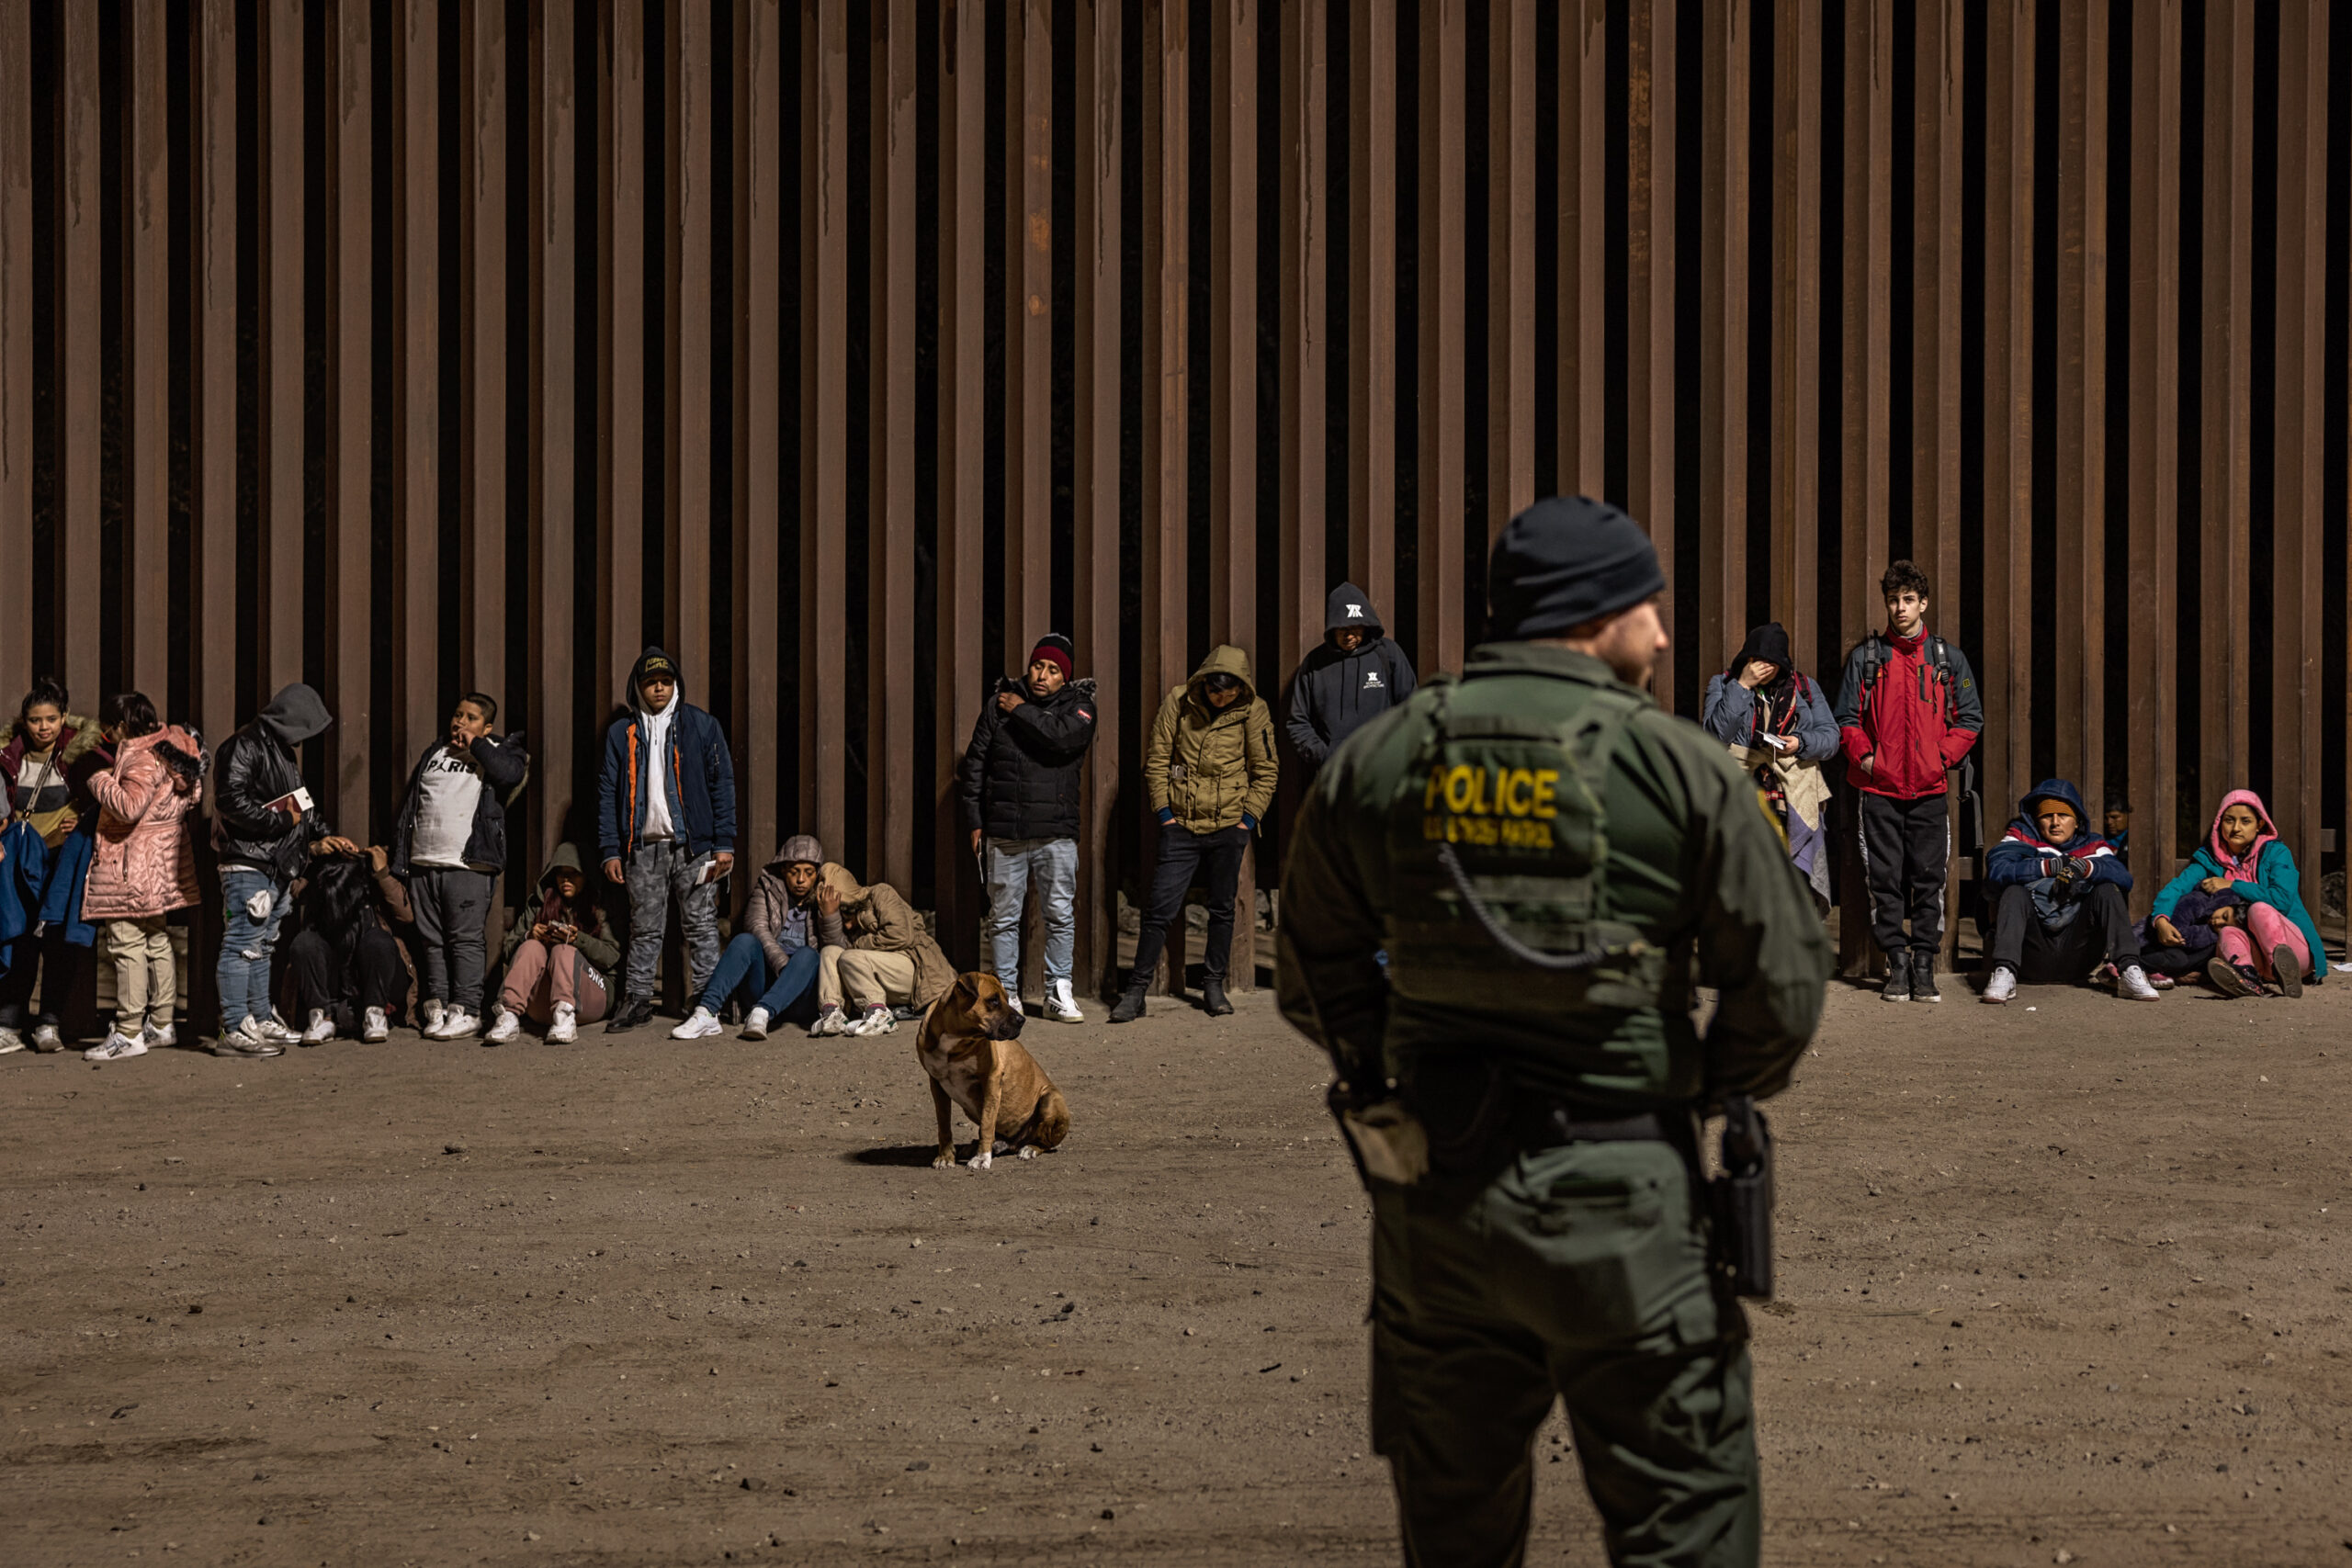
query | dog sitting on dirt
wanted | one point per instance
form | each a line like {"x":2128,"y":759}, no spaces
{"x":969,"y":1049}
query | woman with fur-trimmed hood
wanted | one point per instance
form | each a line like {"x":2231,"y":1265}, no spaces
{"x":47,"y":758}
{"x":142,"y":866}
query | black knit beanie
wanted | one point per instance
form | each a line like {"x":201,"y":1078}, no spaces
{"x":1564,"y":561}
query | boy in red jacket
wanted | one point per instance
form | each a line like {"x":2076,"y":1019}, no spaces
{"x":1907,"y":712}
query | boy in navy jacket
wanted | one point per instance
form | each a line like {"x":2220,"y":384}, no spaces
{"x":665,"y":827}
{"x":2060,"y":909}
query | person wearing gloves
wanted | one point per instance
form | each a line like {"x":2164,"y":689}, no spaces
{"x":1211,"y":770}
{"x":143,"y":867}
{"x":1018,"y":788}
{"x":2060,"y":911}
{"x":559,"y":958}
{"x":265,"y":829}
{"x":665,"y":827}
{"x":1779,"y":729}
{"x":876,"y":956}
{"x":1353,"y":676}
{"x":770,"y":968}
{"x":449,"y":846}
{"x":2273,"y":942}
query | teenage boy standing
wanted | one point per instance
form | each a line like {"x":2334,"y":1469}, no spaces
{"x":449,"y":847}
{"x":1907,"y":712}
{"x":666,"y":826}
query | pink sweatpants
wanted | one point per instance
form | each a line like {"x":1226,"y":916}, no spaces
{"x":2265,"y":929}
{"x":538,"y":980}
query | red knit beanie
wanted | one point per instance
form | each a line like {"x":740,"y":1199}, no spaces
{"x":1054,"y":649}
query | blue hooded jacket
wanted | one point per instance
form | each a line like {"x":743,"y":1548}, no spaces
{"x":699,"y":781}
{"x":2024,"y":858}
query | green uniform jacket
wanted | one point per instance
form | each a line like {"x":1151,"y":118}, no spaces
{"x":1693,"y":863}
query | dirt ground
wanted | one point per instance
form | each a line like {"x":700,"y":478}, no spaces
{"x":2061,"y":1282}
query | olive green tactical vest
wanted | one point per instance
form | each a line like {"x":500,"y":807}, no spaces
{"x":1519,"y":796}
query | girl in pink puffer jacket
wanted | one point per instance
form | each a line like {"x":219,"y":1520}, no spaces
{"x":143,"y":867}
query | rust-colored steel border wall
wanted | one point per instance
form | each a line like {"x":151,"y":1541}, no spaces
{"x":410,"y":347}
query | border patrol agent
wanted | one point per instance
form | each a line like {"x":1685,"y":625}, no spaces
{"x":1540,"y":853}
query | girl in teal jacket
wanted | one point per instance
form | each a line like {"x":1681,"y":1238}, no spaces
{"x":2278,"y":944}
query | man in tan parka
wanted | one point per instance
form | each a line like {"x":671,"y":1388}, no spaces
{"x":1210,"y":767}
{"x":875,"y":953}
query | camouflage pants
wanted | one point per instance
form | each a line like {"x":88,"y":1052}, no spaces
{"x":1580,"y":1271}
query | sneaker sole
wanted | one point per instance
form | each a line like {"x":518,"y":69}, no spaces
{"x":2226,"y":980}
{"x":2290,"y":973}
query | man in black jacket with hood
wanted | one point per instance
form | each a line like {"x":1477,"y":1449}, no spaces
{"x":264,"y":827}
{"x":1018,"y":788}
{"x":1356,"y":675}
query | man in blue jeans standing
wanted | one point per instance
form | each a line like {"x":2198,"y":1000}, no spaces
{"x":264,"y":827}
{"x":1018,"y":785}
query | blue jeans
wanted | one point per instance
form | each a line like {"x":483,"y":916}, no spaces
{"x":246,"y":944}
{"x":1007,"y":867}
{"x":744,"y":969}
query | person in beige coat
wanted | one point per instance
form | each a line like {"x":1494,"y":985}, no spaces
{"x":143,"y":867}
{"x":1210,"y":769}
{"x":875,"y":954}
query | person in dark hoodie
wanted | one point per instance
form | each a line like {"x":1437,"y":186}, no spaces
{"x":2059,"y":913}
{"x":1779,"y":729}
{"x":1018,"y":786}
{"x":265,"y":828}
{"x":449,"y":846}
{"x":559,"y":958}
{"x":665,"y":826}
{"x":1355,"y":675}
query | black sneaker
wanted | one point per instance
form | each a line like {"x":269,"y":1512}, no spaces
{"x":1922,"y":978}
{"x":634,"y":1014}
{"x":1212,"y":1000}
{"x":1898,"y":978}
{"x":1130,"y":1006}
{"x":2289,"y":972}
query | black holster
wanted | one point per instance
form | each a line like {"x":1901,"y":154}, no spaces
{"x":1739,"y":1202}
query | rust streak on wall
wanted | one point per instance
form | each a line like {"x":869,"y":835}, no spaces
{"x":1233,"y":329}
{"x":351,"y":468}
{"x":80,"y":368}
{"x":2224,"y":507}
{"x":1796,"y":331}
{"x":2153,"y":500}
{"x":1444,"y":43}
{"x":1583,"y":244}
{"x":279,"y":185}
{"x":554,"y":510}
{"x":146,"y":348}
{"x":2298,"y":522}
{"x":1511,"y":261}
{"x":2080,"y":416}
{"x":416,"y":600}
{"x":1371,"y":301}
{"x":1649,"y":306}
{"x":890,"y":801}
{"x":2004,"y":678}
{"x":757,"y":60}
{"x":1095,"y":459}
{"x":686,"y":427}
{"x":824,"y":391}
{"x":481,"y":661}
{"x":17,"y":333}
{"x":1723,"y":338}
{"x":621,"y":347}
{"x":1028,"y":328}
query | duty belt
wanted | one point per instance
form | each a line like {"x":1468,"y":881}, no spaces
{"x":1547,"y":1125}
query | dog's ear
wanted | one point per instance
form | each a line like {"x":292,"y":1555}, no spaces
{"x":965,"y":991}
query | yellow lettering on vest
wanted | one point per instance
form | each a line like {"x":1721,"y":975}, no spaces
{"x":1547,"y":785}
{"x":1436,"y":784}
{"x":1478,"y":806}
{"x":1459,"y":785}
{"x":1517,"y":790}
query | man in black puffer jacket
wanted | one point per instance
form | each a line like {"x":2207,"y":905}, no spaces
{"x":1358,"y":674}
{"x":1018,"y":785}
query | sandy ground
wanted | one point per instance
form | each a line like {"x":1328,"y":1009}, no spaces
{"x":2062,"y":1282}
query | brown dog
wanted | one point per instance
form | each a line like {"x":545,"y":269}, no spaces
{"x":967,"y":1047}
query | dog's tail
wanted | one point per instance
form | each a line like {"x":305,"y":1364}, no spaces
{"x":1053,"y":1121}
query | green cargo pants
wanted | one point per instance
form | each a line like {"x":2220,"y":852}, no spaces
{"x":1580,"y":1271}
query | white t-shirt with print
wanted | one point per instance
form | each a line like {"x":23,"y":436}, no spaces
{"x":445,"y":811}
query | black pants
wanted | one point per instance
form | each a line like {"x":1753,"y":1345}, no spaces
{"x":1906,"y":844}
{"x":374,"y":978}
{"x":2099,"y":933}
{"x":49,"y":959}
{"x":1217,"y":857}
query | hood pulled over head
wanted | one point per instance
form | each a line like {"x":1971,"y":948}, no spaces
{"x":565,"y":858}
{"x":294,"y":716}
{"x":1224,"y":660}
{"x":2029,"y":818}
{"x":1350,"y":609}
{"x":2242,"y":865}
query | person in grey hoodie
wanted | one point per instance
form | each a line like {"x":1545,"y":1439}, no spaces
{"x":1357,"y":674}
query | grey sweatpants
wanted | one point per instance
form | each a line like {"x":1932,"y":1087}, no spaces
{"x":452,"y":909}
{"x":656,"y":872}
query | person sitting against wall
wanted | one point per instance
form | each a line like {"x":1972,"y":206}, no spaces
{"x":876,"y":956}
{"x":560,"y":957}
{"x":2059,"y":913}
{"x":46,"y":759}
{"x":770,"y":968}
{"x":350,"y":968}
{"x":2271,"y":943}
{"x":1780,"y":727}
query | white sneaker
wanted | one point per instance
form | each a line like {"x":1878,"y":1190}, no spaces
{"x":1012,"y":1000}
{"x":829,"y":1022}
{"x":376,"y":1029}
{"x":701,"y":1024}
{"x":2001,"y":987}
{"x":275,"y":1029}
{"x":46,"y":1038}
{"x":877,"y":1021}
{"x":457,"y":1023}
{"x":566,"y":1027}
{"x":321,"y":1028}
{"x":433,"y":1013}
{"x":10,"y":1040}
{"x":159,"y":1036}
{"x":117,"y":1046}
{"x":756,"y":1026}
{"x":1062,"y":1006}
{"x":2132,"y":986}
{"x":504,"y":1028}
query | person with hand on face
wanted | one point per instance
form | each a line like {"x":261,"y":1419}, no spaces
{"x":559,"y":958}
{"x":1018,"y":789}
{"x":265,"y":829}
{"x":1908,"y":713}
{"x":2060,"y":910}
{"x":449,"y":846}
{"x":1778,"y":726}
{"x":1353,"y":676}
{"x":349,"y":961}
{"x":665,"y":827}
{"x":2272,"y":941}
{"x":876,"y":956}
{"x":1210,"y":767}
{"x":770,"y":968}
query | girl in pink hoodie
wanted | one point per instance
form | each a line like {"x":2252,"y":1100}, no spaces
{"x":143,"y":867}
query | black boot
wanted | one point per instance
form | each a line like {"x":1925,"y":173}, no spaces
{"x":1212,"y":1000}
{"x":1130,"y":1004}
{"x":1922,"y":978}
{"x":635,"y":1013}
{"x":1898,"y":977}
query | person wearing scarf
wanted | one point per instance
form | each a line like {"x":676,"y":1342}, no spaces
{"x":1780,"y":727}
